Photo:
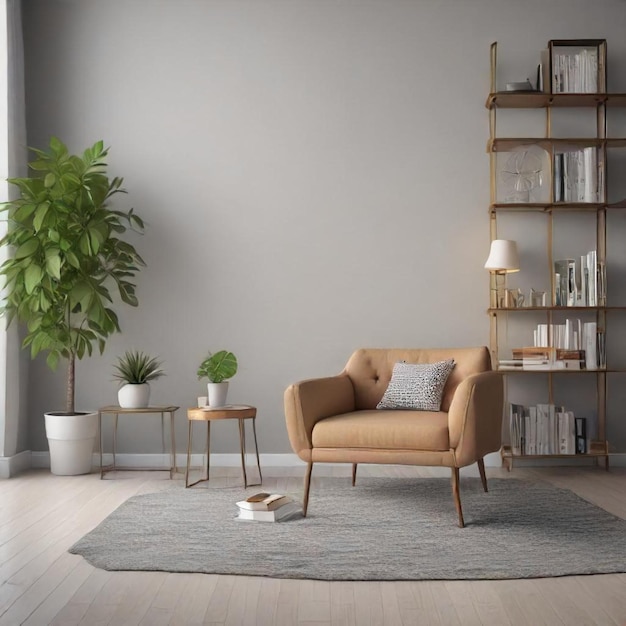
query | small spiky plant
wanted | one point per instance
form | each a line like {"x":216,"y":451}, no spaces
{"x":136,"y":367}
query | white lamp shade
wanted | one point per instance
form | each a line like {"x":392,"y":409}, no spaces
{"x":503,"y":256}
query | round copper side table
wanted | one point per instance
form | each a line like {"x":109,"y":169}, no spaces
{"x":240,"y":412}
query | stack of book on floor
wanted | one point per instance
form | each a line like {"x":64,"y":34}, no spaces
{"x":268,"y":507}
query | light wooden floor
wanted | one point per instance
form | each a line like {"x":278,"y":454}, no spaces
{"x":41,"y":583}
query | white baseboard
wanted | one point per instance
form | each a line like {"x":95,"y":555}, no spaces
{"x":138,"y":461}
{"x":217,"y":460}
{"x":10,"y":466}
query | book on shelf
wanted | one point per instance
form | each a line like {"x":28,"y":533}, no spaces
{"x":287,"y":511}
{"x":590,"y":341}
{"x":581,"y":435}
{"x":601,"y":284}
{"x":573,"y":341}
{"x":532,"y":358}
{"x":582,"y":283}
{"x":566,"y":441}
{"x":601,"y":343}
{"x":544,"y":429}
{"x":569,"y":359}
{"x":575,"y":71}
{"x":510,"y":364}
{"x":565,"y":282}
{"x":264,"y":502}
{"x":558,"y":177}
{"x":533,"y":352}
{"x":576,"y":176}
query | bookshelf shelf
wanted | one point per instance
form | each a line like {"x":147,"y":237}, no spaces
{"x":520,"y":309}
{"x":539,"y":100}
{"x":507,"y":144}
{"x":597,"y":450}
{"x":550,"y":207}
{"x":556,"y":162}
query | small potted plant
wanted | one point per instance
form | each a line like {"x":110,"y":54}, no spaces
{"x":218,"y":368}
{"x":134,"y":370}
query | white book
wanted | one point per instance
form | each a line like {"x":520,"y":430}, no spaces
{"x":516,"y":417}
{"x":590,"y":175}
{"x":571,"y":432}
{"x":543,"y":429}
{"x":592,"y":269}
{"x":572,"y":295}
{"x":532,"y":436}
{"x":285,"y":512}
{"x":562,"y":432}
{"x":590,"y":345}
{"x":566,"y":436}
{"x":264,"y":502}
{"x":584,"y":277}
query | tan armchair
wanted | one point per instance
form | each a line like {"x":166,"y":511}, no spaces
{"x":335,"y":420}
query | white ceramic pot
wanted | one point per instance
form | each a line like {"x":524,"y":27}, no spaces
{"x":71,"y":441}
{"x":132,"y":396}
{"x":217,"y":393}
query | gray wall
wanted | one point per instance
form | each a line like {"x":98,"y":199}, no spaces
{"x":313,"y":175}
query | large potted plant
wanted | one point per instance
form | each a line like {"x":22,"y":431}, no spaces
{"x":218,"y":368}
{"x":68,"y":261}
{"x":135,"y":369}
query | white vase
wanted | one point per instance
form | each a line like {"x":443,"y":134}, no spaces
{"x":134,"y":396}
{"x":217,"y":393}
{"x":71,"y":441}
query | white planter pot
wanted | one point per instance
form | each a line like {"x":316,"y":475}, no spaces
{"x":134,"y":396}
{"x":217,"y":393}
{"x":71,"y":441}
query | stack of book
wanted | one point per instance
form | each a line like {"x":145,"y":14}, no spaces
{"x":537,"y":358}
{"x":268,"y":507}
{"x":568,"y":339}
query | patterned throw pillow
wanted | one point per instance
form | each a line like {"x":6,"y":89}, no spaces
{"x":417,"y":386}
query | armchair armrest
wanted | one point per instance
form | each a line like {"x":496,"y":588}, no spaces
{"x":475,"y":417}
{"x":311,"y":400}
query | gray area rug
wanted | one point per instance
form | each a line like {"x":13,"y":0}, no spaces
{"x":382,"y":529}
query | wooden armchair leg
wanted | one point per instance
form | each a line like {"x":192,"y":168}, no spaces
{"x":483,"y":476}
{"x":307,"y":487}
{"x":354,"y":474}
{"x":457,"y":497}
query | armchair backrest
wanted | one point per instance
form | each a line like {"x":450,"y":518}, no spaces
{"x":370,"y":369}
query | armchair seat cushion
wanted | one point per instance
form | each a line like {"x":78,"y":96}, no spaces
{"x":384,"y":430}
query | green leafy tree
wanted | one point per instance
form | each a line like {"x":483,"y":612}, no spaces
{"x":68,"y":256}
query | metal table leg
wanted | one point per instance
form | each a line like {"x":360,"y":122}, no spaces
{"x":173,"y":467}
{"x":242,"y":447}
{"x":188,"y":454}
{"x":208,"y":448}
{"x":256,"y":447}
{"x":114,"y":439}
{"x":208,"y":454}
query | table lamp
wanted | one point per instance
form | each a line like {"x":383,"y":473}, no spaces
{"x":503,"y":259}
